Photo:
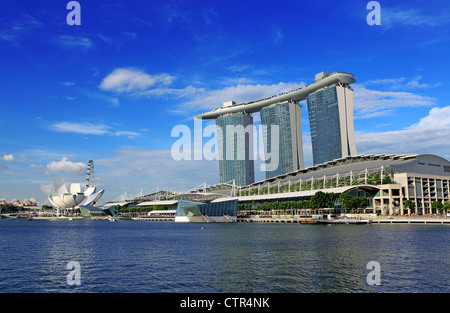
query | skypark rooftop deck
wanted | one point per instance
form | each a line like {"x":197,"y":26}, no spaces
{"x":294,"y":95}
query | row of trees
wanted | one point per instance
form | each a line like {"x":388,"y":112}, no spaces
{"x":440,"y":207}
{"x":318,"y":201}
{"x":351,"y":203}
{"x":8,"y":208}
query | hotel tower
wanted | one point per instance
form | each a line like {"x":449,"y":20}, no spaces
{"x":330,"y":108}
{"x":330,"y":112}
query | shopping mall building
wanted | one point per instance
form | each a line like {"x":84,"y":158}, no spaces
{"x":386,"y":180}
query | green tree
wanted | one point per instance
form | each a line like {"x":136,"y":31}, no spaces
{"x":387,"y":179}
{"x":363,"y":203}
{"x":345,"y":200}
{"x":437,"y":206}
{"x":349,"y":202}
{"x":409,"y":204}
{"x":322,"y":200}
{"x":446,"y":207}
{"x":354,"y":203}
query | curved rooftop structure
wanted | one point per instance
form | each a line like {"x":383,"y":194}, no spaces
{"x":63,"y":199}
{"x":295,"y":95}
{"x":386,"y":180}
{"x":396,"y":163}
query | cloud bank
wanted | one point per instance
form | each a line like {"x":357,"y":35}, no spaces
{"x":90,"y":129}
{"x":128,"y":80}
{"x":65,"y":165}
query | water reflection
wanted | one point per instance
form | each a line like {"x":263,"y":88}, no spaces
{"x":130,"y":256}
{"x":311,"y":258}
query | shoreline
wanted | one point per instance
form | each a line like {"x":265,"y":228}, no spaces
{"x":433,"y":220}
{"x":282,"y":219}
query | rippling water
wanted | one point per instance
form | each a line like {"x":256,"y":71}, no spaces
{"x":141,"y":256}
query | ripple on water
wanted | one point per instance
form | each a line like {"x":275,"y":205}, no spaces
{"x":131,"y":256}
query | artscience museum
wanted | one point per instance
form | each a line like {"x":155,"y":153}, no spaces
{"x":68,"y":201}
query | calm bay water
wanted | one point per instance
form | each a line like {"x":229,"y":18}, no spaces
{"x":141,"y":256}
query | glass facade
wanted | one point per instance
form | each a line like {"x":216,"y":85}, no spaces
{"x":87,"y":211}
{"x":235,"y":145}
{"x":324,"y":123}
{"x":286,"y":117}
{"x":192,"y":208}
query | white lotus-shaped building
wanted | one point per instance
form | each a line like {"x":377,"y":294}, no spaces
{"x":63,"y":199}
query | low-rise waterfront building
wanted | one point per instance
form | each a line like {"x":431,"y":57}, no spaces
{"x":386,"y":180}
{"x":191,"y":211}
{"x":96,"y":212}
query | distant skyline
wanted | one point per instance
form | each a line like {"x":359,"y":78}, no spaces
{"x":112,"y":89}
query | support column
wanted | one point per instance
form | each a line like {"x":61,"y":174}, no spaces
{"x":391,"y":202}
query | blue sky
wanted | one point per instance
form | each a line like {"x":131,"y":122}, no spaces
{"x":113,"y":88}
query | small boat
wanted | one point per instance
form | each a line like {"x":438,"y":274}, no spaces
{"x":111,"y":219}
{"x":308,"y":222}
{"x":333,"y":219}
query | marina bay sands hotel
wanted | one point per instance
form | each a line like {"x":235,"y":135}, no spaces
{"x":330,"y":108}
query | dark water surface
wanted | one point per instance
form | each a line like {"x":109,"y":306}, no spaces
{"x":141,"y":256}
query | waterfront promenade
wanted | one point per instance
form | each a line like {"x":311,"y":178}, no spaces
{"x":371,"y":218}
{"x":285,"y":218}
{"x":411,"y":219}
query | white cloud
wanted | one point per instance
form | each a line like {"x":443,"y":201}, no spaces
{"x":80,"y":128}
{"x":391,"y":16}
{"x":187,"y":92}
{"x":67,"y":166}
{"x":129,"y":134}
{"x":90,"y":129}
{"x":371,"y":103}
{"x":129,"y":34}
{"x":382,"y":81}
{"x":401,"y":83}
{"x":142,"y":84}
{"x":8,"y":157}
{"x":429,"y":135}
{"x":20,"y":29}
{"x":67,"y":83}
{"x":36,"y":166}
{"x":413,"y":140}
{"x":436,"y":118}
{"x":72,"y":42}
{"x":133,"y":168}
{"x":128,"y":80}
{"x":47,"y":189}
{"x":415,"y":83}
